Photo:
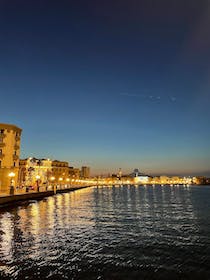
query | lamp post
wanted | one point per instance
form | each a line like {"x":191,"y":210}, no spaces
{"x":52,"y":179}
{"x":12,"y":189}
{"x":60,"y":180}
{"x":67,"y":180}
{"x":72,"y":180}
{"x":37,"y":182}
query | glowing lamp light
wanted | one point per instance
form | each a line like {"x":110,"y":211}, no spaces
{"x":11,"y":175}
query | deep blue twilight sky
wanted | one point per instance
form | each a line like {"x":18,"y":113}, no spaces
{"x":111,"y":84}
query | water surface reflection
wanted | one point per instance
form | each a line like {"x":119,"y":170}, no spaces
{"x":116,"y":232}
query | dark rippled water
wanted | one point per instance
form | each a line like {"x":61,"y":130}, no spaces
{"x":109,"y":233}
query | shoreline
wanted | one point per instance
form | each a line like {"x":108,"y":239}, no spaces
{"x":13,"y":200}
{"x":10,"y":200}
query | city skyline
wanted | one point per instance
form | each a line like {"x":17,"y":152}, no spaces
{"x":102,"y":171}
{"x":112,"y":85}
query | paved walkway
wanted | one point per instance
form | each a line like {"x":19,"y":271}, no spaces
{"x":16,"y":193}
{"x":41,"y":189}
{"x":23,"y":195}
{"x":21,"y":191}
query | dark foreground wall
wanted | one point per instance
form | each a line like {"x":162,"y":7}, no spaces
{"x":12,"y":199}
{"x":5,"y":200}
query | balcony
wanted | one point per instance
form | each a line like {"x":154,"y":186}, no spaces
{"x":2,"y":135}
{"x":16,"y":147}
{"x":15,"y":157}
{"x":2,"y":144}
{"x":17,"y":138}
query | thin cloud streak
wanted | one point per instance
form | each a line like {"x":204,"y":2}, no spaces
{"x":148,"y":97}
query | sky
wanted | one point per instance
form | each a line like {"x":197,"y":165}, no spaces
{"x":110,"y":84}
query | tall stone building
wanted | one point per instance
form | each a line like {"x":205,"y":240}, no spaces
{"x":74,"y":173}
{"x":10,"y":136}
{"x":85,"y":172}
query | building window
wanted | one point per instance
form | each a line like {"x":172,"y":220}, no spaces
{"x":1,"y":131}
{"x":0,"y":151}
{"x":15,"y":153}
{"x":14,"y":163}
{"x":0,"y":163}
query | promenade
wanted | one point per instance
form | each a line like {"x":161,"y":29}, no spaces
{"x":22,"y":195}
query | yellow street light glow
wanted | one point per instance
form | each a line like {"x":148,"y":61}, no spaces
{"x":60,"y":179}
{"x":67,"y":179}
{"x":52,"y":178}
{"x":11,"y":174}
{"x":37,"y":177}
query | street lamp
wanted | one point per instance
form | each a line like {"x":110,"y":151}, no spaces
{"x":11,"y":175}
{"x":60,"y":180}
{"x":67,"y":180}
{"x":37,"y":182}
{"x":52,"y":179}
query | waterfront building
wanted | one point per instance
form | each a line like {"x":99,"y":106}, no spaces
{"x":85,"y":172}
{"x":200,"y":180}
{"x":10,"y":136}
{"x":207,"y":181}
{"x":45,"y":172}
{"x":74,"y":173}
{"x":139,"y":178}
{"x":174,"y":180}
{"x":164,"y":180}
{"x":60,"y":172}
{"x":35,"y":172}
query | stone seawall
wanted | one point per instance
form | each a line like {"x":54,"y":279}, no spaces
{"x":14,"y":199}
